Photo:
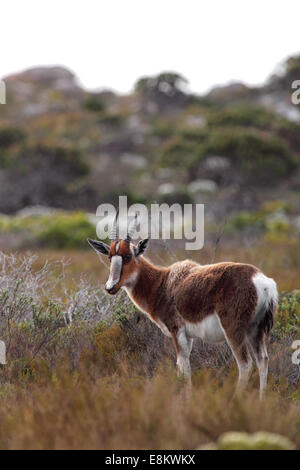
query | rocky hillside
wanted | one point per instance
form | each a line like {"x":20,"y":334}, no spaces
{"x":233,"y":149}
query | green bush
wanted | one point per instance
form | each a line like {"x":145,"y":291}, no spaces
{"x":264,"y":219}
{"x":163,"y":130}
{"x":263,"y":159}
{"x":94,"y":103}
{"x":243,"y":116}
{"x":59,"y":157}
{"x":112,"y":120}
{"x":290,"y":132}
{"x":278,"y":230}
{"x":178,"y":152}
{"x":10,"y":136}
{"x":66,"y":231}
{"x":244,"y":220}
{"x":288,"y":314}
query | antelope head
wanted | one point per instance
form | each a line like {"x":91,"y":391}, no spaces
{"x":123,"y":257}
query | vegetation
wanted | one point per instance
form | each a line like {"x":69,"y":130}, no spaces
{"x":58,"y":230}
{"x":288,"y":315}
{"x":71,"y":143}
{"x":112,"y":120}
{"x":82,"y":372}
{"x":243,"y":116}
{"x":94,"y":103}
{"x":10,"y":136}
{"x":165,"y":84}
{"x":258,"y":159}
{"x":271,"y":218}
{"x":43,"y":175}
{"x":66,"y":231}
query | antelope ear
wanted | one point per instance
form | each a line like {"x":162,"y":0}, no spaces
{"x":141,"y":247}
{"x":99,"y":246}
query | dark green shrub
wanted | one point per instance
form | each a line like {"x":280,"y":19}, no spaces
{"x":167,"y":83}
{"x":62,"y":158}
{"x":10,"y":136}
{"x":263,"y":159}
{"x":194,"y":135}
{"x":163,"y":130}
{"x":243,"y":116}
{"x":181,"y":153}
{"x":290,"y":132}
{"x":112,"y":120}
{"x":94,"y":103}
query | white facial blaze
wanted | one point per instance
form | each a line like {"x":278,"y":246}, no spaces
{"x":115,"y":272}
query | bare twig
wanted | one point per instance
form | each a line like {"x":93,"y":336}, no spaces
{"x":218,"y":239}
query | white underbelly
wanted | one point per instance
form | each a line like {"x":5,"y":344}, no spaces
{"x":209,"y":329}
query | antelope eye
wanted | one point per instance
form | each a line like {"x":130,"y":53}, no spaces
{"x":127,"y":258}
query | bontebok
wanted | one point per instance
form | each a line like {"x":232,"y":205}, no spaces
{"x":231,"y":302}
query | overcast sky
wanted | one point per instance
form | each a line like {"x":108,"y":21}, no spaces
{"x":111,"y":43}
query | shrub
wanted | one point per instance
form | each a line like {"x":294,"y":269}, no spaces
{"x":111,"y":347}
{"x":56,"y":157}
{"x":94,"y":103}
{"x":164,"y":130}
{"x":111,"y":120}
{"x":26,"y":315}
{"x":262,"y":159}
{"x":243,"y":116}
{"x":178,"y":152}
{"x":44,"y":175}
{"x":270,"y":218}
{"x":169,"y":84}
{"x":278,"y":230}
{"x":288,"y":314}
{"x":67,"y":231}
{"x":290,"y":132}
{"x":42,"y":317}
{"x":10,"y":136}
{"x":244,"y":220}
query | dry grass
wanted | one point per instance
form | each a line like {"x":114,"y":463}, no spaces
{"x":126,"y":411}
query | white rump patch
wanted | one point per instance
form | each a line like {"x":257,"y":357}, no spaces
{"x":115,"y":272}
{"x":266,"y":289}
{"x":209,"y":329}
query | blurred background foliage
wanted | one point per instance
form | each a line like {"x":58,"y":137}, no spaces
{"x":63,"y":148}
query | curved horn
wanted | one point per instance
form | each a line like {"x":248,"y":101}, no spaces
{"x":113,"y":233}
{"x":131,"y":230}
